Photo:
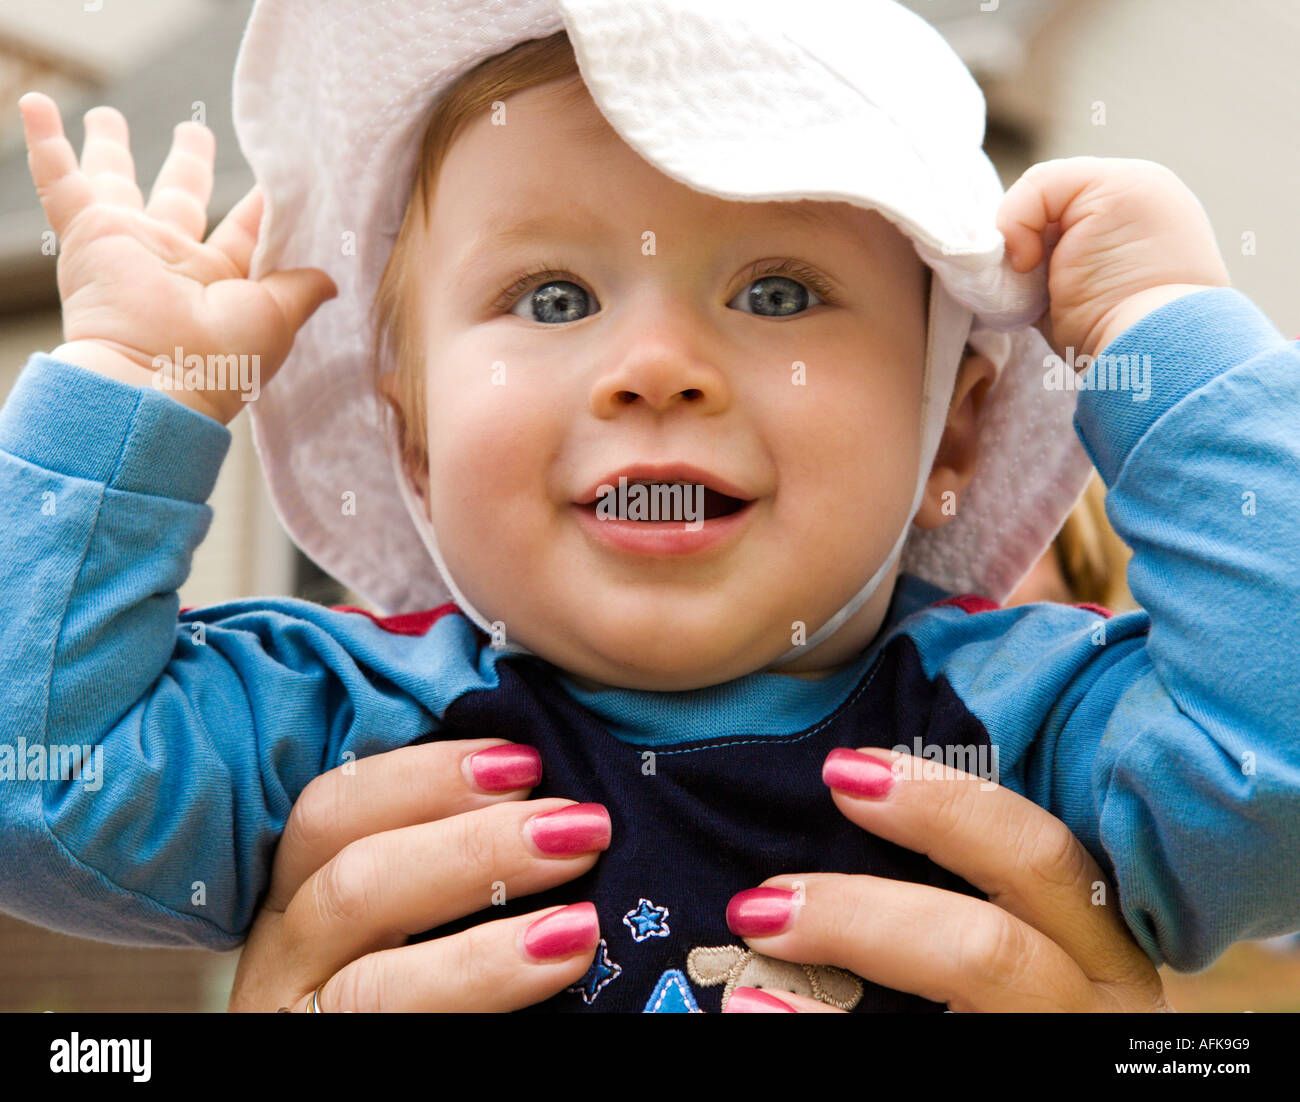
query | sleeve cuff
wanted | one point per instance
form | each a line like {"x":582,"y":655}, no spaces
{"x":77,"y":423}
{"x":1156,"y":362}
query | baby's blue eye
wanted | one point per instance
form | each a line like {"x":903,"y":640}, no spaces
{"x":775,"y":296}
{"x":555,"y":302}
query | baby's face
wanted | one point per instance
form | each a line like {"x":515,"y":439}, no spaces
{"x":655,"y":345}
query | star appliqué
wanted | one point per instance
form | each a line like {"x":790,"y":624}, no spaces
{"x":601,"y":972}
{"x":646,"y":920}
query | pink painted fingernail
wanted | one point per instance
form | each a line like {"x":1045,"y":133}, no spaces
{"x":564,"y":932}
{"x":760,"y":912}
{"x":857,"y":774}
{"x":501,"y":768}
{"x":571,"y":830}
{"x":750,"y":1000}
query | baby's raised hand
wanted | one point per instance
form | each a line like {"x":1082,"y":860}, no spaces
{"x":1132,"y":237}
{"x":138,"y":282}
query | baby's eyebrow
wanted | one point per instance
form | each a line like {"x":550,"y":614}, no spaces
{"x":533,"y":230}
{"x":536,"y":230}
{"x":809,"y":213}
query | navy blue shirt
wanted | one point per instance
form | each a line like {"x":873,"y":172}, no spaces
{"x":718,"y":814}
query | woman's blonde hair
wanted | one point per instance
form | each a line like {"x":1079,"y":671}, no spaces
{"x":1092,"y":557}
{"x":399,"y":338}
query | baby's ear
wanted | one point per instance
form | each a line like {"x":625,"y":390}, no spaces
{"x":954,"y":462}
{"x":415,"y":461}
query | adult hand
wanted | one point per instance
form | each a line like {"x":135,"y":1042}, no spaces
{"x":1040,"y":942}
{"x":399,"y":843}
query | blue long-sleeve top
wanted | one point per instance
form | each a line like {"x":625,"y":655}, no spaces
{"x":1167,"y":739}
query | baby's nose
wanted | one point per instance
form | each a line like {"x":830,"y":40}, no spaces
{"x":660,"y":381}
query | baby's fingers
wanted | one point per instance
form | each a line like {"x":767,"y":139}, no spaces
{"x":63,"y":190}
{"x":236,"y":234}
{"x":299,"y":292}
{"x":184,"y":186}
{"x":1042,"y":196}
{"x":106,"y":158}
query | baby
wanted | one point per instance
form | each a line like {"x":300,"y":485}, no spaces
{"x":776,"y":357}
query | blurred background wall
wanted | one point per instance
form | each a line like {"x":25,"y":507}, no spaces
{"x":1205,"y":87}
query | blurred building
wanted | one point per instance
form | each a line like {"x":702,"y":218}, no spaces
{"x":1204,"y":87}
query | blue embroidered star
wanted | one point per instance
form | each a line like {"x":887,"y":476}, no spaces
{"x":602,"y":970}
{"x":647,"y":920}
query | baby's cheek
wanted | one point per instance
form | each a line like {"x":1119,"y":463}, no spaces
{"x":846,"y":487}
{"x":486,"y":458}
{"x":470,"y":420}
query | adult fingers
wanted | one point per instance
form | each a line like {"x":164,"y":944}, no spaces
{"x":944,"y":946}
{"x":414,"y":784}
{"x":382,"y":889}
{"x":761,"y":1000}
{"x":497,"y":966}
{"x":1023,"y":858}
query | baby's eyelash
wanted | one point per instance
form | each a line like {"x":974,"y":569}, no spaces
{"x":506,"y":296}
{"x":795,"y":269}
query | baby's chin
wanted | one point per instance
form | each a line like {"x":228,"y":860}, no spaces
{"x":658,"y":652}
{"x":667,"y":662}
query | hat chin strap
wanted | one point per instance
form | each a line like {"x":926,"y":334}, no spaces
{"x":945,"y":340}
{"x":415,"y":509}
{"x":948,"y":330}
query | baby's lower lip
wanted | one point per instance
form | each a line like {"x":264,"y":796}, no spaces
{"x":662,"y":538}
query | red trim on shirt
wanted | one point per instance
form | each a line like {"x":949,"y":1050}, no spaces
{"x":407,"y":623}
{"x":969,"y":602}
{"x":1096,"y":608}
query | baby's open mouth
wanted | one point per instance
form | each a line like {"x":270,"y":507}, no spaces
{"x":646,"y":501}
{"x":664,"y":511}
{"x":663,"y":493}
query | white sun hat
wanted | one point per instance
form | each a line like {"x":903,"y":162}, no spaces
{"x":749,"y":100}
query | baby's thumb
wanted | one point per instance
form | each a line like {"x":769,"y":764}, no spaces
{"x":299,"y":292}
